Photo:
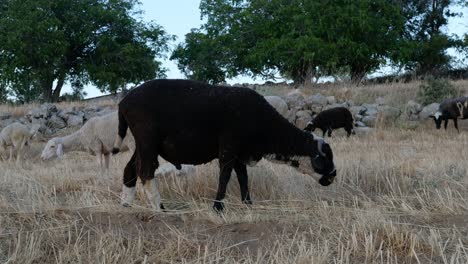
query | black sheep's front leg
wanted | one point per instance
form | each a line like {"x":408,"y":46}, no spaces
{"x":445,"y":123}
{"x":242,"y":177}
{"x":225,"y":167}
{"x":147,"y":163}
{"x":455,"y":123}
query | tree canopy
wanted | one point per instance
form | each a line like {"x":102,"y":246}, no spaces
{"x":303,"y":39}
{"x":44,"y":44}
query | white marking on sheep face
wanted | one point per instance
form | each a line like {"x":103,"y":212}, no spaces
{"x":152,"y":193}
{"x":128,"y":195}
{"x":437,"y":115}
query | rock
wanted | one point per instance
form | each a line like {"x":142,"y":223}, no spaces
{"x":359,"y":124}
{"x":43,"y":111}
{"x":55,"y":122}
{"x":357,"y":110}
{"x":331,"y":100}
{"x":75,"y":120}
{"x":302,"y":118}
{"x":295,"y":99}
{"x":389,"y":112}
{"x":380,"y":100}
{"x":5,"y":116}
{"x":42,"y":122}
{"x":358,"y":117}
{"x":370,"y":109}
{"x":369,"y":120}
{"x":279,"y":104}
{"x":316,"y":100}
{"x":412,"y":110}
{"x":428,"y":110}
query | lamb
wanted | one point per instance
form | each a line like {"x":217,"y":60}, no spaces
{"x":279,"y":104}
{"x":330,"y":119}
{"x":456,"y":108}
{"x":235,"y":125}
{"x":16,"y":136}
{"x":96,"y":136}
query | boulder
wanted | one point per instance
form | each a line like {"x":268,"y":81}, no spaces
{"x":359,"y":124}
{"x":412,"y":108}
{"x":370,"y":109}
{"x":295,"y":100}
{"x":75,"y":120}
{"x":369,"y":120}
{"x":428,"y":110}
{"x":357,"y":110}
{"x":331,"y":100}
{"x":43,"y":111}
{"x":389,"y":112}
{"x":302,"y":118}
{"x":380,"y":100}
{"x":5,"y":116}
{"x":55,"y":122}
{"x":316,"y":100}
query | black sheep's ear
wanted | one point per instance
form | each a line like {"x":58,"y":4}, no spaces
{"x":308,"y":127}
{"x":431,"y":116}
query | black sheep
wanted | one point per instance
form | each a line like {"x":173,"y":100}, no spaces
{"x":330,"y":119}
{"x":189,"y":122}
{"x":451,"y":109}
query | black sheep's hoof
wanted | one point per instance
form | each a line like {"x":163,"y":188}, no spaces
{"x":247,"y":202}
{"x":218,"y":207}
{"x":115,"y":151}
{"x":161,"y":206}
{"x":126,"y":205}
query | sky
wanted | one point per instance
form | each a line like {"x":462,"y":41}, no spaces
{"x":177,"y":17}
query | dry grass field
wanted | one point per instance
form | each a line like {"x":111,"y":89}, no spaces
{"x":401,"y":196}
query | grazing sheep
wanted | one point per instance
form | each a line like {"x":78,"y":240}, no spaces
{"x":454,"y":109}
{"x":279,"y":104}
{"x":330,"y":119}
{"x":16,"y":136}
{"x":95,"y":136}
{"x":189,"y":122}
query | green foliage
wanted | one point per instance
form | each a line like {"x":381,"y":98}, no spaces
{"x":201,"y":58}
{"x":436,"y":90}
{"x":300,"y":39}
{"x":424,"y":43}
{"x":44,"y":44}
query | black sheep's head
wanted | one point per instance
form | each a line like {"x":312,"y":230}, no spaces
{"x":322,"y":163}
{"x":310,"y":126}
{"x":438,"y":116}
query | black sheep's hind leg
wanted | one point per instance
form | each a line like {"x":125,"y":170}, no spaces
{"x":225,"y":166}
{"x":455,"y":122}
{"x":242,"y":177}
{"x":329,"y":132}
{"x":129,"y":183}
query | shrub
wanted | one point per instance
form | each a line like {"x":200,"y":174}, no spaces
{"x":436,"y":90}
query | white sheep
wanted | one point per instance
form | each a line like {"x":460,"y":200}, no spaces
{"x":167,"y":169}
{"x":16,"y":136}
{"x":96,"y":136}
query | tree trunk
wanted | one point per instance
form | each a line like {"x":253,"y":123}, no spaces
{"x":58,"y":88}
{"x":46,"y":86}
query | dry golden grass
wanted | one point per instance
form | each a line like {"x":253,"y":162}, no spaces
{"x":400,"y":197}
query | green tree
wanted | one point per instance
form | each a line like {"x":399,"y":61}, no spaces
{"x":300,"y":39}
{"x":201,"y":58}
{"x":44,"y":44}
{"x":424,"y":44}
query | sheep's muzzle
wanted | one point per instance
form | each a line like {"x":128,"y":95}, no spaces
{"x":328,"y":178}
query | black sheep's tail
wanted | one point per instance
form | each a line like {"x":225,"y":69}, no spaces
{"x":123,"y":126}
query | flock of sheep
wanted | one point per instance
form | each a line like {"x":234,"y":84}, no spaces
{"x":189,"y":123}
